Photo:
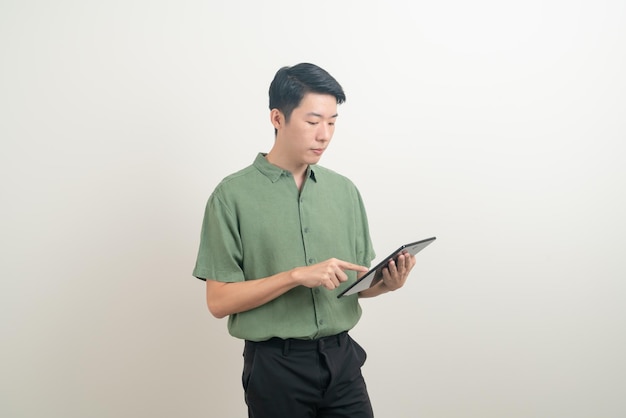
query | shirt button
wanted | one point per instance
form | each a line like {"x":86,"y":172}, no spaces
{"x":311,"y":260}
{"x":306,"y":230}
{"x":321,"y":322}
{"x":317,"y":291}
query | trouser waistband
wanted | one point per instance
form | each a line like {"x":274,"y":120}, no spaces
{"x":303,"y":345}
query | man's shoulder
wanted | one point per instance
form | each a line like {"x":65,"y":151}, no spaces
{"x":237,"y":181}
{"x":239,"y":175}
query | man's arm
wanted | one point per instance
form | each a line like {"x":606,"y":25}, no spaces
{"x":394,"y":276}
{"x":224,"y":299}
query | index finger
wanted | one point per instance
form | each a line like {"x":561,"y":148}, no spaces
{"x":344,"y":265}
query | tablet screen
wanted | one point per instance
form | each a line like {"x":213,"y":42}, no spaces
{"x":375,"y":274}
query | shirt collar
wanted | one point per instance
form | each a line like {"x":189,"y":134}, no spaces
{"x":273,"y":172}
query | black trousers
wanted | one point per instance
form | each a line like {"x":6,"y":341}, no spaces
{"x":305,"y":379}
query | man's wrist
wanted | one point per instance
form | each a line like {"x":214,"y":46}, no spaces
{"x":384,"y":288}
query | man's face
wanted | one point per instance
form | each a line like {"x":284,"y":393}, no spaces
{"x":309,"y":130}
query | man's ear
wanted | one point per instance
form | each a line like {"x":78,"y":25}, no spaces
{"x":277,"y":118}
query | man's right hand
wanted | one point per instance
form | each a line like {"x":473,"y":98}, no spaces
{"x":329,"y":273}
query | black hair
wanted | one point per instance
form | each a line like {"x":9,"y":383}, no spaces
{"x":290,"y":84}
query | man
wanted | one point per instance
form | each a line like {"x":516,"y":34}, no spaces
{"x":280,"y":239}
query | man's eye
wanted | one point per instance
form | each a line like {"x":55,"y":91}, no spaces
{"x":312,"y":123}
{"x":331,"y":123}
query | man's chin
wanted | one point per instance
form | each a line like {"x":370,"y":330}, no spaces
{"x":312,"y":161}
{"x":314,"y":157}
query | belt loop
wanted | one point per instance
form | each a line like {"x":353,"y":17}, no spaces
{"x":286,"y":348}
{"x":339,"y":339}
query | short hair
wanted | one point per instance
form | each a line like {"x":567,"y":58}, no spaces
{"x":290,"y":84}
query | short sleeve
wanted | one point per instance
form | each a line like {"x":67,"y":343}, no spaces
{"x":220,"y":253}
{"x":364,"y":247}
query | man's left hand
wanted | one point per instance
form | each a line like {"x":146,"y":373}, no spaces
{"x":396,"y":272}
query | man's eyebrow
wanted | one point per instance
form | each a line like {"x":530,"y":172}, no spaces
{"x":317,"y":115}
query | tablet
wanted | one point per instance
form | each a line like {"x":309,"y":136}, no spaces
{"x":376,"y":274}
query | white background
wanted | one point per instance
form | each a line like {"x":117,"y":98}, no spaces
{"x":499,"y":127}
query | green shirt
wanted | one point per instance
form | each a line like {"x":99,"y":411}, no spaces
{"x":257,"y":223}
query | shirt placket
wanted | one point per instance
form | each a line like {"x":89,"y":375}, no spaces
{"x":311,"y":258}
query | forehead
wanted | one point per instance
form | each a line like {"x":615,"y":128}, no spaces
{"x":324,"y":105}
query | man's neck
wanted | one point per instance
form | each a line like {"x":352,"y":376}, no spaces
{"x":298,"y":171}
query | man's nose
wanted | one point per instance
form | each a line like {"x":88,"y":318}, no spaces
{"x":323,"y":132}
